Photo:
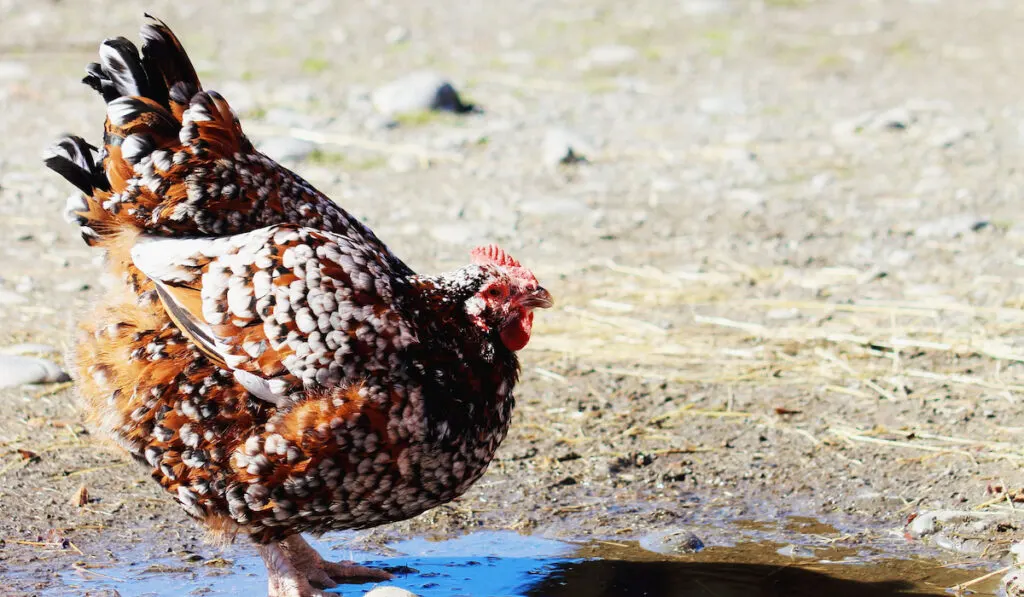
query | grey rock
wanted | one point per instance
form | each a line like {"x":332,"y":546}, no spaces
{"x":672,"y":542}
{"x":286,"y":149}
{"x":956,"y":530}
{"x":563,"y":147}
{"x":19,"y":370}
{"x":418,"y":91}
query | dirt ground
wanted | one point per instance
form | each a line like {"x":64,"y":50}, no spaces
{"x":789,"y":277}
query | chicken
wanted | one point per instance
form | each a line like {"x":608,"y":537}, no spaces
{"x":272,"y":363}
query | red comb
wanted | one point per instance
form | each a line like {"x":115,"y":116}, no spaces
{"x":494,"y":255}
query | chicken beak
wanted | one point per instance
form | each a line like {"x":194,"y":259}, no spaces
{"x":537,"y":299}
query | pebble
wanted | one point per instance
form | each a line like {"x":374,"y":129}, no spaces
{"x":286,"y":149}
{"x":563,"y":147}
{"x":608,"y":56}
{"x":456,"y":233}
{"x":706,"y":7}
{"x":18,"y":370}
{"x":795,"y":551}
{"x":287,"y":118}
{"x":11,"y":298}
{"x":72,"y":286}
{"x":951,"y":226}
{"x":418,"y":91}
{"x":390,"y":592}
{"x":672,"y":542}
{"x":722,"y":105}
{"x":396,"y":35}
{"x":14,"y":70}
{"x":403,"y":163}
{"x":239,"y":95}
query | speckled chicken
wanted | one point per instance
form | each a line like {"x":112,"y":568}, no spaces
{"x":277,"y":368}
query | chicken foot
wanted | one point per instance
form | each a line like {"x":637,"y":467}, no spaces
{"x":295,"y":569}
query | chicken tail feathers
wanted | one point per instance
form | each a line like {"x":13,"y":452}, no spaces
{"x":161,"y":128}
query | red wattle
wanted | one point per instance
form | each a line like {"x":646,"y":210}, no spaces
{"x":516,"y":334}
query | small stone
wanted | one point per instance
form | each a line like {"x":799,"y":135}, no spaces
{"x":821,"y":181}
{"x":72,"y":286}
{"x":456,"y":233}
{"x":11,"y":298}
{"x":553,"y":207}
{"x":286,"y":149}
{"x":563,"y":147}
{"x":390,"y":592}
{"x":672,"y":542}
{"x":14,"y":70}
{"x":81,"y":497}
{"x":239,"y":94}
{"x":19,"y":370}
{"x":403,"y":163}
{"x":722,"y":105}
{"x":286,"y":118}
{"x":416,"y":92}
{"x":608,"y":56}
{"x":706,"y":7}
{"x":951,"y":226}
{"x":795,"y":551}
{"x":379,"y":122}
{"x":26,"y":284}
{"x":396,"y":35}
{"x":949,"y":137}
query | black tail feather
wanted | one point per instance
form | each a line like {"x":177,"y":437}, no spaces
{"x":166,"y":62}
{"x":77,"y":161}
{"x":162,"y":66}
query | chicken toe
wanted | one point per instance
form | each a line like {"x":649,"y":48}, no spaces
{"x":322,"y":573}
{"x":283,"y":578}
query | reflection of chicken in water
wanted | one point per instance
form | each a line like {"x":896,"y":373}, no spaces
{"x":277,"y":367}
{"x":676,"y":578}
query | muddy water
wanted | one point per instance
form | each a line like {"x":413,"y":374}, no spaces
{"x":507,"y":564}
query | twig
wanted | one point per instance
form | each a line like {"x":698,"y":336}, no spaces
{"x":964,"y":585}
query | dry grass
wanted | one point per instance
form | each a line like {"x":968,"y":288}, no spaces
{"x":704,"y":328}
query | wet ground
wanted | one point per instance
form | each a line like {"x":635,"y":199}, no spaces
{"x":507,"y":564}
{"x":788,"y":276}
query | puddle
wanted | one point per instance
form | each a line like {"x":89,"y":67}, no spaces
{"x":499,"y":564}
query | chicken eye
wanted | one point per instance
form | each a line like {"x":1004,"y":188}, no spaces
{"x":494,"y":292}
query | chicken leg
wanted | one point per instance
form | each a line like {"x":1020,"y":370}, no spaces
{"x":295,"y":569}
